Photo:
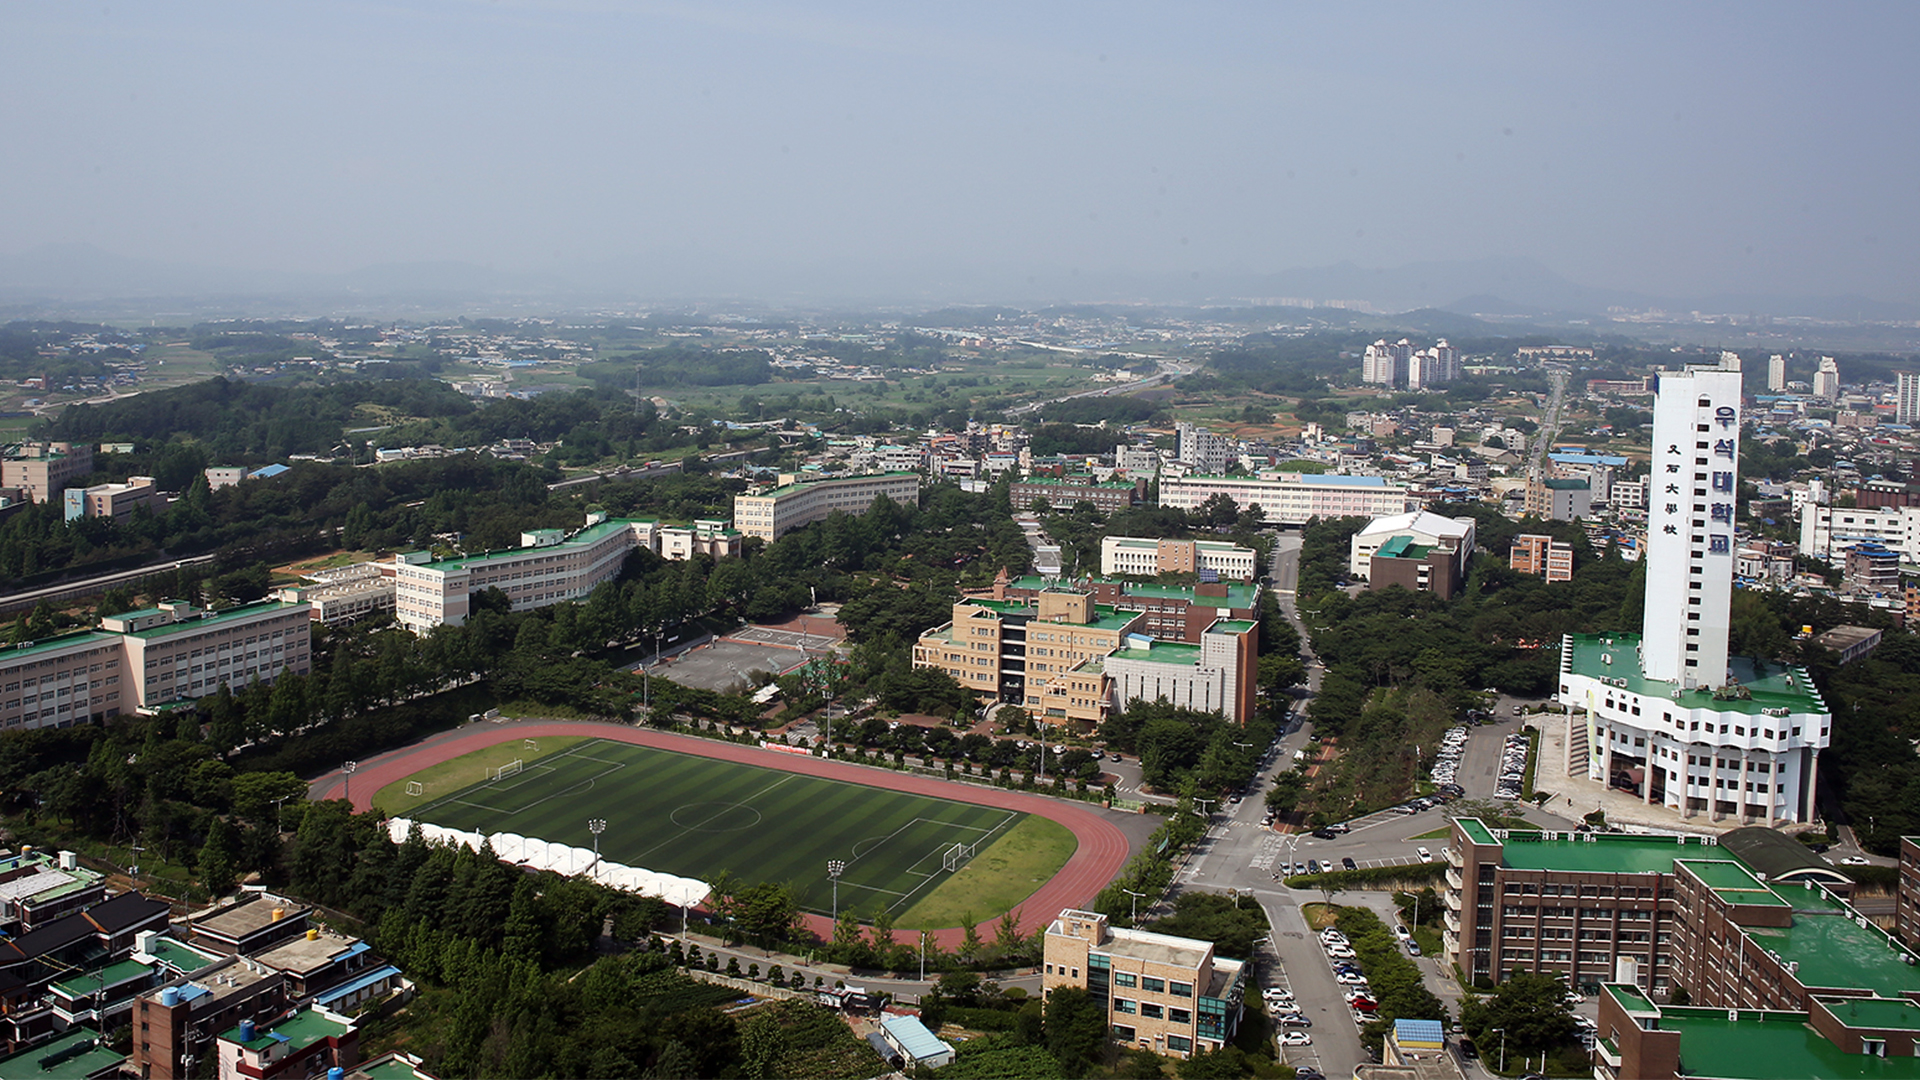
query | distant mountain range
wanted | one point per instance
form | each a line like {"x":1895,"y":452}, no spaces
{"x":1500,"y":289}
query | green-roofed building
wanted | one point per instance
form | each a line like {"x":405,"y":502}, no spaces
{"x":1174,"y":612}
{"x":79,"y":1054}
{"x":306,"y":1044}
{"x":1767,"y":946}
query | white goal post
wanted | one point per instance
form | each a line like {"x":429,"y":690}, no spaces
{"x":511,"y":768}
{"x":953,"y":857}
{"x":415,"y":787}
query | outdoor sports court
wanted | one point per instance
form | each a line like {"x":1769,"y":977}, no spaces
{"x":696,"y":816}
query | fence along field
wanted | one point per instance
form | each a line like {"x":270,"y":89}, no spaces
{"x":693,"y":816}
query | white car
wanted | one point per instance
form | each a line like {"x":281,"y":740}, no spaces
{"x":1854,"y":860}
{"x":1295,"y":1038}
{"x":1425,"y":855}
{"x":1401,"y":932}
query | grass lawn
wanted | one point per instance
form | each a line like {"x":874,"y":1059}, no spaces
{"x":998,"y":878}
{"x":696,"y":817}
{"x":465,"y":770}
{"x":1320,"y":916}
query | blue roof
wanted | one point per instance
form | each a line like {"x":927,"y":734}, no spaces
{"x":913,"y":1036}
{"x":1343,"y":481}
{"x":1418,"y":1031}
{"x":268,"y":472}
{"x":354,"y":986}
{"x":1571,"y":458}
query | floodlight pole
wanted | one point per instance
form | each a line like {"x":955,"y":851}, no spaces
{"x":346,"y":783}
{"x":596,"y":826}
{"x":836,"y":867}
{"x":923,"y":956}
{"x":1503,"y":1048}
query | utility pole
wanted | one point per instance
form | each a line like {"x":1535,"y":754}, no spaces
{"x":1133,"y":910}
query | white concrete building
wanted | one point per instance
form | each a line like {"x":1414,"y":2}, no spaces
{"x":1200,"y":449}
{"x":1291,"y":498}
{"x":773,"y":513}
{"x":1906,"y":397}
{"x":1826,"y":380}
{"x":1426,"y":528}
{"x":548,"y":567}
{"x":1826,"y":532}
{"x":1148,"y":557}
{"x":1776,"y":373}
{"x":1666,"y":714}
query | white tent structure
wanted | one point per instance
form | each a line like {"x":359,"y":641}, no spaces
{"x":538,"y":854}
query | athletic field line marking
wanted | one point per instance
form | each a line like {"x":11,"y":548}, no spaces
{"x":925,"y":878}
{"x":544,"y":764}
{"x":684,"y":829}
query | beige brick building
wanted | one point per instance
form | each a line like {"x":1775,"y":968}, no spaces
{"x":776,"y":512}
{"x":1167,"y":994}
{"x":43,"y":469}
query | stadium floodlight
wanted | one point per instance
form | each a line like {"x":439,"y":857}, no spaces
{"x":346,"y":782}
{"x":596,"y":826}
{"x":836,"y":867}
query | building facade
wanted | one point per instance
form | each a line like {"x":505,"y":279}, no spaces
{"x":1147,"y":557}
{"x":1906,"y":397}
{"x":116,"y":501}
{"x":775,"y":512}
{"x":1061,"y":493}
{"x":1541,"y":556}
{"x":1667,"y":714}
{"x":43,"y":469}
{"x":1173,"y":612}
{"x":550,"y":566}
{"x":1826,"y":532}
{"x":1168,"y":994}
{"x":1826,"y":380}
{"x":1423,"y":527}
{"x":1291,"y":498}
{"x":1200,"y":449}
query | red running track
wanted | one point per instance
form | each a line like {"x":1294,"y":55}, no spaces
{"x":1101,"y":853}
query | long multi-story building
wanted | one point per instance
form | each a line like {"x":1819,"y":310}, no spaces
{"x":550,"y":566}
{"x":1826,"y":532}
{"x":1586,"y":906}
{"x":146,"y":658}
{"x":1168,"y":994}
{"x":1667,"y":714}
{"x":1061,"y":493}
{"x":794,"y":502}
{"x":42,"y":469}
{"x":1291,"y":498}
{"x":1147,"y":557}
{"x":1784,"y":980}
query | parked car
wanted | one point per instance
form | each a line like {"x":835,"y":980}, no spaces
{"x":1425,"y":855}
{"x":1348,"y":863}
{"x":1413,"y":948}
{"x":1293,"y":1019}
{"x":1295,"y":1038}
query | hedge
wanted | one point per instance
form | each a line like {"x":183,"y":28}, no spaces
{"x":1374,"y":876}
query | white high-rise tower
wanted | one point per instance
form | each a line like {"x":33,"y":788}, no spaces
{"x":1906,"y":397}
{"x":1690,"y":500}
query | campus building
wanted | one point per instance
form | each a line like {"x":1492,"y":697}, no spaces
{"x":1419,"y":526}
{"x":1061,"y":493}
{"x":116,"y":501}
{"x":142,"y":659}
{"x":42,"y":469}
{"x":1174,"y":612}
{"x":775,"y":512}
{"x":1559,"y":498}
{"x":1147,"y":557}
{"x":1436,"y":568}
{"x":1588,"y":907}
{"x":1167,"y":994}
{"x":1666,"y":714}
{"x":1827,"y":532}
{"x":1291,"y":498}
{"x":1541,"y":556}
{"x":1201,"y":449}
{"x":1063,"y":656}
{"x":347,"y":592}
{"x":548,"y":567}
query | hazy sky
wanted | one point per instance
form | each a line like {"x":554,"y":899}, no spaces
{"x":1677,"y":148}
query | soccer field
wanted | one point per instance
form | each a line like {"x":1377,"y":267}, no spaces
{"x":695,"y":816}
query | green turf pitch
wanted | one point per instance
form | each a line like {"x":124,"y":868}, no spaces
{"x":694,"y":816}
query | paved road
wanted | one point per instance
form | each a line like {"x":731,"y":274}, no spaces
{"x":1550,"y":423}
{"x":1240,"y":854}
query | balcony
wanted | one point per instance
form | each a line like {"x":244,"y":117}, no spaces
{"x":1451,"y":920}
{"x":1454,"y":858}
{"x":1454,"y":881}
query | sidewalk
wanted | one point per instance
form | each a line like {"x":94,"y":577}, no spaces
{"x":907,"y":991}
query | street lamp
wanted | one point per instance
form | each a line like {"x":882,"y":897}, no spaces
{"x":1503,"y":1048}
{"x":1133,"y":910}
{"x":1205,"y":814}
{"x":596,"y":826}
{"x":923,"y":956}
{"x":346,"y":784}
{"x":836,"y":867}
